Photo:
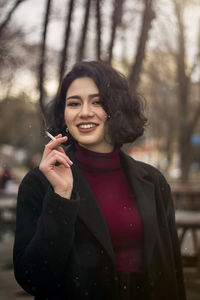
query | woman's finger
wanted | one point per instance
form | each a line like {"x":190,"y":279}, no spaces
{"x":61,"y":153}
{"x":60,"y":149}
{"x":54,"y":144}
{"x":57,"y":159}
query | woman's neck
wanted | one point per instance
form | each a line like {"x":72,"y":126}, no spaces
{"x":99,"y":149}
{"x":96,"y":161}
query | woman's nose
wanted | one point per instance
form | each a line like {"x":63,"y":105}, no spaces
{"x":86,"y":111}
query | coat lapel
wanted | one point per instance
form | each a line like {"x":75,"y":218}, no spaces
{"x":144,"y":193}
{"x":89,"y":210}
{"x":91,"y":214}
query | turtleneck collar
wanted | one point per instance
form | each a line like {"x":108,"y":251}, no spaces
{"x":95,"y":161}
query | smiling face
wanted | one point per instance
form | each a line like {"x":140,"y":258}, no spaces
{"x":85,"y":116}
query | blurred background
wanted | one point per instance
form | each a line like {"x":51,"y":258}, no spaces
{"x":156,"y":44}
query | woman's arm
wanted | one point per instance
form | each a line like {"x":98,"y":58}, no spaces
{"x":44,"y":234}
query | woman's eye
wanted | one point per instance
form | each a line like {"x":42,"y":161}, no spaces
{"x":97,"y":102}
{"x":73,"y":104}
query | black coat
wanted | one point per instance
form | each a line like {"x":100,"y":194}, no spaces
{"x":63,"y":249}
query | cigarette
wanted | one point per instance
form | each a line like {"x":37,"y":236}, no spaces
{"x":50,"y":135}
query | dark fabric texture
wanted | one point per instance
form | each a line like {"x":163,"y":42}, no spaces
{"x":63,"y":250}
{"x":133,"y":286}
{"x":109,"y":184}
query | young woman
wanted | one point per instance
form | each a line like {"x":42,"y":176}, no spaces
{"x":93,"y":223}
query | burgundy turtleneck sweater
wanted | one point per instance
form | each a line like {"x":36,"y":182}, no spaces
{"x":108,"y":182}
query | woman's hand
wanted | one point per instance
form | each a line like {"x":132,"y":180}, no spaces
{"x":55,"y":165}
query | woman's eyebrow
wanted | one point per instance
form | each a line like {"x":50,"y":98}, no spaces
{"x":94,"y":95}
{"x":79,"y":97}
{"x":73,"y":97}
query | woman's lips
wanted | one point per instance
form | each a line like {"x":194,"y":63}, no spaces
{"x":87,"y":127}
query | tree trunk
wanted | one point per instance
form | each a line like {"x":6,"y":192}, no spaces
{"x":43,"y":56}
{"x":64,"y":54}
{"x":116,"y":21}
{"x":9,"y":15}
{"x":183,"y":95}
{"x":81,"y":47}
{"x":148,"y":16}
{"x":98,"y":29}
{"x":185,"y":156}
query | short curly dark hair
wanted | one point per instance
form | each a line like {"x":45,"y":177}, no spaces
{"x":127,"y":120}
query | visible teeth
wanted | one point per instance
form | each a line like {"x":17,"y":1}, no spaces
{"x":86,"y":125}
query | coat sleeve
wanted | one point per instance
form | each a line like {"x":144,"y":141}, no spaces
{"x":175,"y":243}
{"x":45,"y":227}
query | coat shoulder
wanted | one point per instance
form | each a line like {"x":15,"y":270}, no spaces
{"x":152,"y":171}
{"x":145,"y":169}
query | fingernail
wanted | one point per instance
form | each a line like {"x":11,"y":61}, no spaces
{"x":71,"y":162}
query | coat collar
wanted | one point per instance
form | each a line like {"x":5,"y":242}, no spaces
{"x":91,"y":214}
{"x":89,"y":210}
{"x":144,"y":192}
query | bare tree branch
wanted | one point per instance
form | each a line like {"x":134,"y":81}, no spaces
{"x":187,"y":123}
{"x":197,"y":58}
{"x":81,"y":47}
{"x":196,"y":115}
{"x":64,"y":53}
{"x":116,"y":21}
{"x":183,"y":79}
{"x":43,"y":55}
{"x":9,"y":15}
{"x":194,"y":120}
{"x":148,"y":16}
{"x":98,"y":29}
